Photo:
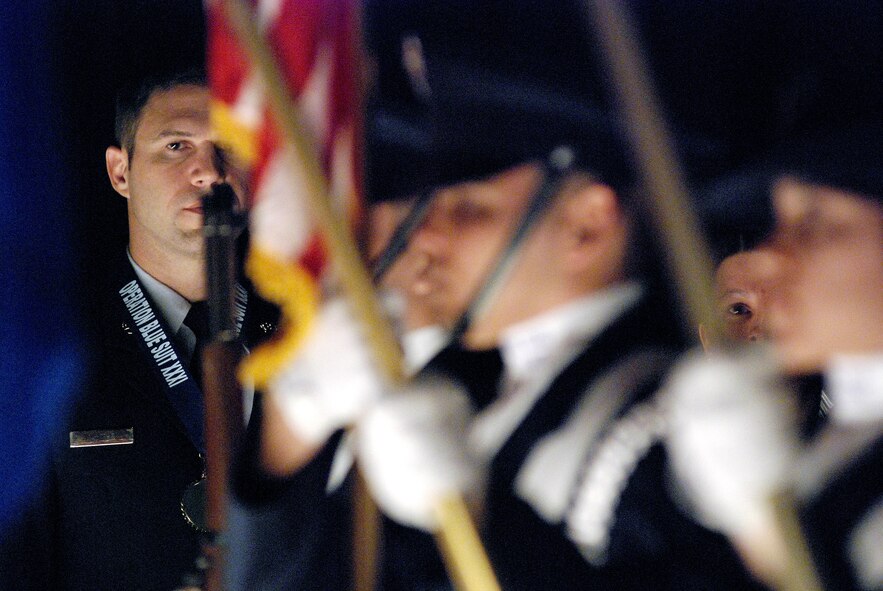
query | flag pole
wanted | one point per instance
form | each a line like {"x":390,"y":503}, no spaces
{"x":667,"y":199}
{"x":466,"y":561}
{"x":665,"y":194}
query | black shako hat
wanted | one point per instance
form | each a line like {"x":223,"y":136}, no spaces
{"x":484,"y":122}
{"x":503,"y":83}
{"x":398,"y":144}
{"x":736,"y":209}
{"x":823,"y":118}
{"x":507,"y":81}
{"x":848,"y":158}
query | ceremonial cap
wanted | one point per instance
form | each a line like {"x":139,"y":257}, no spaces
{"x":736,"y":210}
{"x":849,"y":158}
{"x":398,"y":142}
{"x":822,"y":119}
{"x":503,"y":83}
{"x":486,"y":122}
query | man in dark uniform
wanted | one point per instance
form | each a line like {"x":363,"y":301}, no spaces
{"x":113,"y":514}
{"x":735,"y":441}
{"x":829,"y":207}
{"x":826,"y":305}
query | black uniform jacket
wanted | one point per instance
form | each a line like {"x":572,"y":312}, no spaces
{"x":841,"y":507}
{"x":110,"y":516}
{"x":292,"y":535}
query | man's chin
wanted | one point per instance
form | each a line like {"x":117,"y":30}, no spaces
{"x":441,"y":310}
{"x":190,"y":221}
{"x":192,"y":241}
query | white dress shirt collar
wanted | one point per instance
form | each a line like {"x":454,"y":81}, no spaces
{"x":554,"y":337}
{"x":171,"y":305}
{"x":536,"y":351}
{"x":420,"y":345}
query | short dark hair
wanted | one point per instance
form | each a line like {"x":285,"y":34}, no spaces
{"x":131,"y":99}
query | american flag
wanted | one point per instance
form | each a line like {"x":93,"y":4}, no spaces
{"x":314,"y":46}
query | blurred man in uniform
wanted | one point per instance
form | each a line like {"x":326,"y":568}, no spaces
{"x":826,"y":315}
{"x":560,"y":367}
{"x":396,"y":179}
{"x":829,"y":317}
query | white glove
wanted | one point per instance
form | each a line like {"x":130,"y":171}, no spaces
{"x":412,"y":450}
{"x":732,"y":438}
{"x":333,"y":379}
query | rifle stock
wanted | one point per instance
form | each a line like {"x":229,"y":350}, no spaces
{"x":223,"y":430}
{"x":221,"y":390}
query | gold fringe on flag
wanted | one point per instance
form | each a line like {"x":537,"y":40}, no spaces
{"x":295,"y":291}
{"x":286,"y":284}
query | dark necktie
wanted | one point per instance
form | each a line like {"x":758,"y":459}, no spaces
{"x":808,"y":390}
{"x":478,"y":371}
{"x":197,"y":321}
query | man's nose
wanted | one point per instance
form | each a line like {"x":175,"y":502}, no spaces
{"x":206,"y":166}
{"x":432,"y":236}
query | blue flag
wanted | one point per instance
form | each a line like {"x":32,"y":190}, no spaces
{"x":42,"y":350}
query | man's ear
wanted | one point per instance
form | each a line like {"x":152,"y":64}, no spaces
{"x":117,"y":161}
{"x":592,"y":214}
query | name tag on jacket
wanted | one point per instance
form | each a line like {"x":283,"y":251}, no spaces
{"x":102,"y":437}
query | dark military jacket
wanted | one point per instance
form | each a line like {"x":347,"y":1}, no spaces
{"x":293,"y":535}
{"x":840,"y":506}
{"x":110,"y":516}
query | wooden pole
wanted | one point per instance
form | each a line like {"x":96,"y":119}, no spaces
{"x":665,"y":193}
{"x":355,"y":281}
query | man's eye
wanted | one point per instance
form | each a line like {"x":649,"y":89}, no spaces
{"x":174,"y":146}
{"x":469,"y":213}
{"x":739,"y":309}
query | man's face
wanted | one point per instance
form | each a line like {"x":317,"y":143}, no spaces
{"x":742,"y":283}
{"x":828,"y":297}
{"x":175,"y":162}
{"x":466,"y":229}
